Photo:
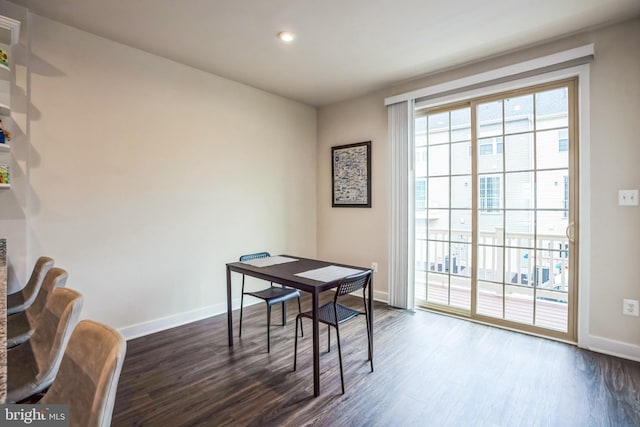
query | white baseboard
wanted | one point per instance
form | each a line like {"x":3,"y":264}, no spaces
{"x":163,"y":323}
{"x":380,"y":296}
{"x":157,"y":325}
{"x":179,"y":319}
{"x":612,"y":347}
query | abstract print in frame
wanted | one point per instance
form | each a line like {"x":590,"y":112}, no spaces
{"x":351,"y":175}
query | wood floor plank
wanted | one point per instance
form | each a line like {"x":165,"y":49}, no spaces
{"x":430,"y":370}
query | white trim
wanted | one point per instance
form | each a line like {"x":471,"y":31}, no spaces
{"x":411,"y":211}
{"x":28,"y":200}
{"x":581,"y":52}
{"x":163,"y":323}
{"x":584,"y":169}
{"x":612,"y":347}
{"x":13,"y":26}
{"x":179,"y":319}
{"x":584,"y":203}
{"x":505,"y":87}
{"x":381,"y":296}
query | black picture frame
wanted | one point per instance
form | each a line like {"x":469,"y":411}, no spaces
{"x":351,"y":175}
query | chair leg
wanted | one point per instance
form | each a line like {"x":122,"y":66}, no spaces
{"x":366,"y":317}
{"x":284,"y":313}
{"x":268,"y":328}
{"x":328,"y":339}
{"x":340,"y":357}
{"x":295,"y":346}
{"x":369,"y":341}
{"x":299,"y":311}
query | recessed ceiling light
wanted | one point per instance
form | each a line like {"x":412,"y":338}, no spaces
{"x":286,"y":36}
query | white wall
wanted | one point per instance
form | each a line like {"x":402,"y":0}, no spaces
{"x":356,"y":236}
{"x":147,"y":176}
{"x":615,"y":153}
{"x":615,"y":231}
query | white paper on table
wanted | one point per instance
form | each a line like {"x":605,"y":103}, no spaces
{"x":328,"y":274}
{"x":267,"y":261}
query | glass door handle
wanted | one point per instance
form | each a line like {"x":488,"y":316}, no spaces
{"x":570,"y":232}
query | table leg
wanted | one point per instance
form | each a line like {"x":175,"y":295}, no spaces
{"x":370,"y":303}
{"x":316,"y":346}
{"x":229,"y":309}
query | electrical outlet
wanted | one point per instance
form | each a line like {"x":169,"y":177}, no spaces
{"x":627,"y":197}
{"x":630,"y":307}
{"x":374,"y":267}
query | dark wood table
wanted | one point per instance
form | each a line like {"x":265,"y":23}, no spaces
{"x":285,"y":274}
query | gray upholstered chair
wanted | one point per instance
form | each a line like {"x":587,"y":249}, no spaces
{"x":21,"y":300}
{"x":21,"y":325}
{"x":32,"y":366}
{"x":89,"y":374}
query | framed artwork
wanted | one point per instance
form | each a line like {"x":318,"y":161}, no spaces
{"x":351,"y":175}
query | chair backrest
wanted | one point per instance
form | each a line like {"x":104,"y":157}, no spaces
{"x":34,"y":363}
{"x":254,"y":256}
{"x":55,"y":278}
{"x":89,"y":374}
{"x":50,"y":337}
{"x":40,"y":269}
{"x":353,"y":283}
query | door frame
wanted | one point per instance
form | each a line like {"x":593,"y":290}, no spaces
{"x":581,"y":168}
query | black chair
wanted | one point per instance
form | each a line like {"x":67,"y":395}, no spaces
{"x":271,"y":295}
{"x":334,"y":313}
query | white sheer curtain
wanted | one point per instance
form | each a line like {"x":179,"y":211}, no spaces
{"x":401,"y":285}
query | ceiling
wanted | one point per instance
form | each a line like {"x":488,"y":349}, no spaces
{"x":343,"y":49}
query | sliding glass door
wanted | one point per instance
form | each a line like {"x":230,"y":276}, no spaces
{"x":444,"y":208}
{"x":495,"y":196}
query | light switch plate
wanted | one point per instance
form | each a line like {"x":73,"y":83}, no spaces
{"x":627,"y":197}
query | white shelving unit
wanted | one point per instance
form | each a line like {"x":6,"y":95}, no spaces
{"x":5,"y":81}
{"x":5,"y":110}
{"x":9,"y":35}
{"x":5,"y":160}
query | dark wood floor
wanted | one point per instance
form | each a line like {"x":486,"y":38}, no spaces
{"x":430,"y":370}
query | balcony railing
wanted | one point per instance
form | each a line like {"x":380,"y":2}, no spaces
{"x":510,"y":265}
{"x":512,"y":258}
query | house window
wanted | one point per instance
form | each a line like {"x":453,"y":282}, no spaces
{"x":489,"y":193}
{"x":485,"y":149}
{"x":489,"y":146}
{"x":563,"y":140}
{"x":421,"y":195}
